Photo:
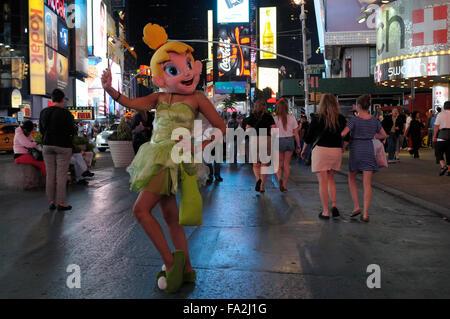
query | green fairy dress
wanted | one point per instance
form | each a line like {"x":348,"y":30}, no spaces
{"x":153,"y":169}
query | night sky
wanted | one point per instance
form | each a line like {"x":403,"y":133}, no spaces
{"x":188,"y":20}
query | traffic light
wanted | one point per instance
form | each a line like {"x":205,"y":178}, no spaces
{"x":25,"y":69}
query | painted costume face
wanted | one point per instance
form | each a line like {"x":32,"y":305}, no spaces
{"x":180,"y":74}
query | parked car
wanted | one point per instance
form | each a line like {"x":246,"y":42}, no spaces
{"x":7,"y":133}
{"x":101,"y":141}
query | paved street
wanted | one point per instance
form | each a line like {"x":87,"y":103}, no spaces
{"x":251,"y":246}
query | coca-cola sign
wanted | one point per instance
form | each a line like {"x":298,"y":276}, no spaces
{"x":233,"y":60}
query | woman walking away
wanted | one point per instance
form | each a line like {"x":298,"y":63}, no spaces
{"x":442,"y":139}
{"x":260,"y":119}
{"x":325,"y":136}
{"x":363,"y":129}
{"x":289,"y":136}
{"x":58,"y":129}
{"x":414,"y":131}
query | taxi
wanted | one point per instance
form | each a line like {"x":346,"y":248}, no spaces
{"x":7,"y":132}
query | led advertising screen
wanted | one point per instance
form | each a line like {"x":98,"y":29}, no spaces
{"x":268,"y":77}
{"x":268,"y":32}
{"x":229,"y":87}
{"x":233,"y":61}
{"x":37,"y":47}
{"x":96,"y":94}
{"x":81,"y":37}
{"x":116,"y":74}
{"x":233,"y":11}
{"x":210,"y":34}
{"x":63,"y":39}
{"x":51,"y":77}
{"x":99,"y":25}
{"x":51,"y":29}
{"x":57,"y":71}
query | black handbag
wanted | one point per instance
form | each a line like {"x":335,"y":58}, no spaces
{"x":37,"y":155}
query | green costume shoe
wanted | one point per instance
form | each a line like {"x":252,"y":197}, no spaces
{"x":173,"y":280}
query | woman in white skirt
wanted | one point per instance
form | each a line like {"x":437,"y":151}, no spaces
{"x":324,"y":135}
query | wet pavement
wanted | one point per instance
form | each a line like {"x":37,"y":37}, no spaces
{"x":250,"y":246}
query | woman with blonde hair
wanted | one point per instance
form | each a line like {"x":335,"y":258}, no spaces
{"x":260,"y":119}
{"x":325,"y":137}
{"x":288,"y":128}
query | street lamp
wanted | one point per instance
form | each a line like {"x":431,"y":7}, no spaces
{"x":305,"y":56}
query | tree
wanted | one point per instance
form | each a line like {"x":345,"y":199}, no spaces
{"x":230,"y":101}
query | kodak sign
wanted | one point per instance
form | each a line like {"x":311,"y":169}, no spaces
{"x":37,"y":47}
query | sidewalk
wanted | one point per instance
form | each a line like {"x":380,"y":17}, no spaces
{"x":416,"y":181}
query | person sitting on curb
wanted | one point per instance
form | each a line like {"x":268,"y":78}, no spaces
{"x":23,"y":142}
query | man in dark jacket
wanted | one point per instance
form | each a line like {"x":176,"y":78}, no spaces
{"x":58,"y":129}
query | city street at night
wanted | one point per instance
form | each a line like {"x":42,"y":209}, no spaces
{"x":224,"y":158}
{"x":250,"y":246}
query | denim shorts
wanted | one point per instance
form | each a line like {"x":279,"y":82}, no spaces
{"x":287,"y":144}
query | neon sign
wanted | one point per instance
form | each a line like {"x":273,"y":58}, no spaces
{"x":59,"y":7}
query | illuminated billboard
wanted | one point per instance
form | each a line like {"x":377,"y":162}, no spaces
{"x":233,"y":61}
{"x":99,"y":25}
{"x":268,"y":32}
{"x":116,"y":73}
{"x":51,"y":29}
{"x":37,"y":47}
{"x":81,"y":42}
{"x":229,"y":87}
{"x":81,"y":93}
{"x":56,"y":71}
{"x":268,"y":77}
{"x":89,"y":26}
{"x":96,"y":94}
{"x":233,"y":11}
{"x":63,"y":39}
{"x":210,"y":35}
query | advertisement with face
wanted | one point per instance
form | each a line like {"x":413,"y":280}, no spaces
{"x":99,"y":25}
{"x":233,"y":11}
{"x":51,"y":29}
{"x":233,"y":61}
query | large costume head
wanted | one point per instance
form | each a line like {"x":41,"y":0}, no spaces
{"x":173,"y":67}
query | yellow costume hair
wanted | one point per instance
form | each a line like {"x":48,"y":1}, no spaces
{"x":156,"y":38}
